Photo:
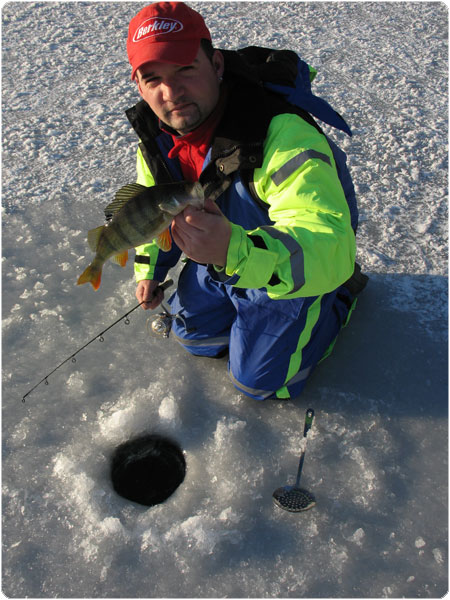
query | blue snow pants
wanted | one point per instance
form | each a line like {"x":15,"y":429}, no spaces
{"x":274,"y":345}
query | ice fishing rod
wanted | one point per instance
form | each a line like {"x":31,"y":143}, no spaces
{"x":100,"y":337}
{"x":292,"y":497}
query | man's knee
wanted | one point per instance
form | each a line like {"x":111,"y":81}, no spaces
{"x":209,"y":347}
{"x":251,"y":386}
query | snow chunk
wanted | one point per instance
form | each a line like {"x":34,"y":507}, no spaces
{"x":168,"y":409}
{"x":229,"y":515}
{"x":151,"y":541}
{"x":358,"y":537}
{"x":225,"y":429}
{"x":205,"y":531}
{"x":112,"y":526}
{"x":438,"y":556}
{"x":197,"y":531}
{"x":75,"y":382}
{"x":119,"y":420}
{"x":46,"y":312}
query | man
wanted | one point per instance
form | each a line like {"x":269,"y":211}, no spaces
{"x":270,"y":252}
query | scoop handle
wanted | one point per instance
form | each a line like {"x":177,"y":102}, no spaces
{"x":309,"y":417}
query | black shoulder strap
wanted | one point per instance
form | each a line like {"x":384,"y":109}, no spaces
{"x":144,"y":123}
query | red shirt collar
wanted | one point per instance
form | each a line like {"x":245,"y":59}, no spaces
{"x":192,"y":148}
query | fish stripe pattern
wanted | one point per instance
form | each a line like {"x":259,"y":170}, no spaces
{"x":136,"y":216}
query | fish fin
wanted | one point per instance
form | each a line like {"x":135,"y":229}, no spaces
{"x":120,"y":259}
{"x":171,"y":206}
{"x":93,"y":236}
{"x":122,"y":196}
{"x":164,"y":240}
{"x":91,"y":275}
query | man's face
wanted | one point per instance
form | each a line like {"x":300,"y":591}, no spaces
{"x":182,"y":96}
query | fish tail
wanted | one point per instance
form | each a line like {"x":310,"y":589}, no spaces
{"x":92,"y":275}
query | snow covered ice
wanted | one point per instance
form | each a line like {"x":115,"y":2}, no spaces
{"x":377,"y":453}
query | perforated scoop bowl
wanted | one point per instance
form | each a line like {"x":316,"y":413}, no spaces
{"x":293,"y":499}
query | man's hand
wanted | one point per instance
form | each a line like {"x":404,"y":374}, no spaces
{"x":148,"y":290}
{"x":203,"y":235}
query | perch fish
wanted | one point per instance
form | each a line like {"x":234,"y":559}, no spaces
{"x":138,"y":214}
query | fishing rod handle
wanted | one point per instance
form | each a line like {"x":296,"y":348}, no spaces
{"x":165,"y":285}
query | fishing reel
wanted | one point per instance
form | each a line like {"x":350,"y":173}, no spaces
{"x":160,"y":325}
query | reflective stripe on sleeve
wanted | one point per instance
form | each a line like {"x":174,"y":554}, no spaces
{"x":295,"y":163}
{"x":142,"y":260}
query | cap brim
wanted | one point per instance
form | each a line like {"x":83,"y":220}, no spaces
{"x":177,"y":53}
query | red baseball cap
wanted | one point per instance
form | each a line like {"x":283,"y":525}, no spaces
{"x":165,"y":32}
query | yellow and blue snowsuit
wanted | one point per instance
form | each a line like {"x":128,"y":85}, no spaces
{"x":279,"y":302}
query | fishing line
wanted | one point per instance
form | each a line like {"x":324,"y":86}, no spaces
{"x":99,"y":337}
